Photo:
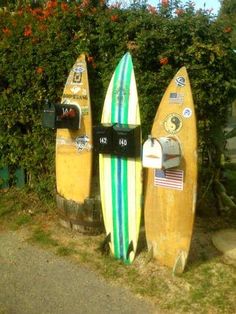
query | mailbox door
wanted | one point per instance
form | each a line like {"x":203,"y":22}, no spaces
{"x":49,"y":116}
{"x":171,"y":152}
{"x":102,"y":138}
{"x":126,"y":140}
{"x":68,"y":116}
{"x":152,"y":154}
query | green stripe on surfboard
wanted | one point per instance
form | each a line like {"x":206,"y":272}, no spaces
{"x":126,"y":214}
{"x":114,"y":201}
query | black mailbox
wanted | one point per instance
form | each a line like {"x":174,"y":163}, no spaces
{"x":62,"y":116}
{"x":49,"y":116}
{"x":126,"y":140}
{"x":102,"y":138}
{"x":68,"y":117}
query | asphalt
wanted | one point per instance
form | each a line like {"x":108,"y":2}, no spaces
{"x":36,"y":281}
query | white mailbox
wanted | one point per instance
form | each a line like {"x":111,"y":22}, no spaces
{"x":161,"y":153}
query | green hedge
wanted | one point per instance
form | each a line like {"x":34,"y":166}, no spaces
{"x":38,"y":46}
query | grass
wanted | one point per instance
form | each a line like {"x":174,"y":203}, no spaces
{"x":215,"y":287}
{"x":207,"y":286}
{"x":65,"y":251}
{"x":43,"y":237}
{"x":23,"y":219}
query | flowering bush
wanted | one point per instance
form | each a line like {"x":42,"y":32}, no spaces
{"x":39,"y":44}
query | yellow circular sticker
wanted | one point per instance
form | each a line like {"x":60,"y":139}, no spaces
{"x":173,"y":123}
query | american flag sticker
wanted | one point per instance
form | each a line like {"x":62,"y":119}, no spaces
{"x":171,"y":178}
{"x":176,"y":98}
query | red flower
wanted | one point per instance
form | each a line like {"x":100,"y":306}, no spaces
{"x":114,"y":18}
{"x":228,"y":29}
{"x":36,"y":11}
{"x":6,"y":31}
{"x":51,"y":4}
{"x":179,"y":11}
{"x":85,"y":4}
{"x":64,"y":6}
{"x":165,"y":3}
{"x":164,"y":61}
{"x":20,"y":12}
{"x":151,"y":9}
{"x":46,"y":13}
{"x":90,"y":59}
{"x":39,"y":70}
{"x":115,"y":5}
{"x":28,"y":31}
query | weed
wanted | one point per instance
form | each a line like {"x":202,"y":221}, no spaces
{"x":44,"y":238}
{"x":85,"y":257}
{"x":65,"y":251}
{"x":4,"y":210}
{"x":23,"y":219}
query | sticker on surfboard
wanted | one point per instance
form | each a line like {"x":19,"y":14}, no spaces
{"x":121,"y":93}
{"x":82,"y":143}
{"x":76,"y":75}
{"x":76,"y":89}
{"x":187,"y":112}
{"x":79,"y":68}
{"x":176,"y":98}
{"x":170,"y":178}
{"x":180,"y":81}
{"x":173,"y":123}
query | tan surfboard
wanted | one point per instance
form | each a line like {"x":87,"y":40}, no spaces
{"x":170,"y":195}
{"x":74,"y":147}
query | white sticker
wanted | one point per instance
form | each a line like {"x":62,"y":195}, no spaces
{"x":79,"y":69}
{"x":187,"y":112}
{"x":180,"y":81}
{"x":82,"y":143}
{"x":75,"y":89}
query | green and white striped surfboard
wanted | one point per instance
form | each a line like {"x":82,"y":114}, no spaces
{"x":121,"y":177}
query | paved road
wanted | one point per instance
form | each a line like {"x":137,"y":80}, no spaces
{"x":35,"y":281}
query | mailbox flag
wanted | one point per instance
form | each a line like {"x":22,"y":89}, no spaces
{"x":171,"y":178}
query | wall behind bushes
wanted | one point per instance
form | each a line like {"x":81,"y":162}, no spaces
{"x":39,"y":44}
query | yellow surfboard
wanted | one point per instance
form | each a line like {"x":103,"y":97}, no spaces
{"x":170,"y":196}
{"x":74,"y":147}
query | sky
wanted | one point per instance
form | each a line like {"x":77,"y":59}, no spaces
{"x":209,"y":4}
{"x":199,"y":4}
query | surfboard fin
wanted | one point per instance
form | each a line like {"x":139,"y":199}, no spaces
{"x":180,"y":263}
{"x":130,"y":249}
{"x":104,"y":247}
{"x":149,"y":255}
